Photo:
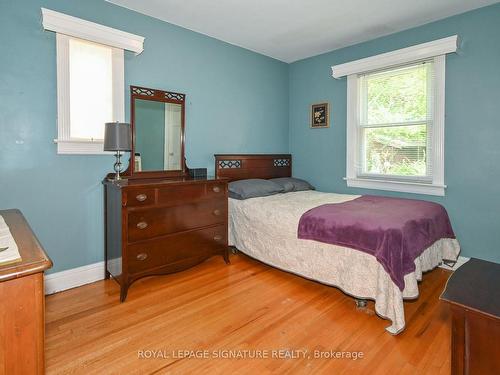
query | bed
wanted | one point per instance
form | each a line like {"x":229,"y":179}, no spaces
{"x":265,"y":228}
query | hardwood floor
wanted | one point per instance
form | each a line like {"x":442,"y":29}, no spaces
{"x":244,"y":306}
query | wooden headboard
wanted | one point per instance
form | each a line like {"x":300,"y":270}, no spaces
{"x":243,"y":166}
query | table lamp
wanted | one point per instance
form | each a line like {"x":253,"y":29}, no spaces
{"x":118,"y":138}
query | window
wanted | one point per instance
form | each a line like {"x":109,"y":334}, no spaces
{"x":395,"y":123}
{"x":395,"y":119}
{"x":91,"y":86}
{"x":90,"y":80}
{"x":90,"y":92}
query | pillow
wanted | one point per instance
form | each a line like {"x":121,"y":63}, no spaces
{"x":292,"y":184}
{"x":252,"y":188}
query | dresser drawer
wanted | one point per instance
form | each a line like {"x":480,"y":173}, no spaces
{"x":176,"y":248}
{"x":152,"y":222}
{"x":216,"y":190}
{"x":170,"y":195}
{"x":179,"y":194}
{"x":140,"y":197}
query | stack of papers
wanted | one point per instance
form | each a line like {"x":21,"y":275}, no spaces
{"x":9,"y":253}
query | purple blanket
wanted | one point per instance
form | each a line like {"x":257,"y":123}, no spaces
{"x":395,"y":231}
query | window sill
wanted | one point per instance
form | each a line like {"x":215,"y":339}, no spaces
{"x":400,"y":186}
{"x":80,"y":147}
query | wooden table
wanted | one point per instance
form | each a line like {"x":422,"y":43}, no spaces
{"x":473,"y":292}
{"x":22,"y":302}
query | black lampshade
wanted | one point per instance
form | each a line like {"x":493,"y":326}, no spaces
{"x":117,"y":136}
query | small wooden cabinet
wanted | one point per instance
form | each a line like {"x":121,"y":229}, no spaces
{"x":473,"y":292}
{"x":161,"y":226}
{"x":22,"y":302}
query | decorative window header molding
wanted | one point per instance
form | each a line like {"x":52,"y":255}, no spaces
{"x":397,"y":57}
{"x":94,"y":32}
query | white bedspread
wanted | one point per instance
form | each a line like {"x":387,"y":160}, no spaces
{"x":266,"y":229}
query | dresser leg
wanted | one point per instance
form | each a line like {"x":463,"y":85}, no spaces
{"x":459,"y":358}
{"x":225,"y":254}
{"x":123,"y":292}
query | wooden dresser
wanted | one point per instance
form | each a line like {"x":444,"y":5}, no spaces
{"x":159,"y":226}
{"x":22,"y":302}
{"x":473,"y":292}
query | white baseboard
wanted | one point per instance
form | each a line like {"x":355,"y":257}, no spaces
{"x":460,"y":261}
{"x":59,"y":281}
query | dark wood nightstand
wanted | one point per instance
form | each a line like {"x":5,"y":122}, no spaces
{"x":473,"y":292}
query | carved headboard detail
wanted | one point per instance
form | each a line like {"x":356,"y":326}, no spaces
{"x":243,"y":166}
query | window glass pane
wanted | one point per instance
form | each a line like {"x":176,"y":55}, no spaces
{"x":91,"y":88}
{"x":396,"y":150}
{"x":396,"y":96}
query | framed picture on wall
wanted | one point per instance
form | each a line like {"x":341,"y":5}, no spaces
{"x":320,"y":116}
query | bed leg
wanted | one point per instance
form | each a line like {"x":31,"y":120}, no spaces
{"x":360,"y":303}
{"x":225,"y":255}
{"x":233,"y":250}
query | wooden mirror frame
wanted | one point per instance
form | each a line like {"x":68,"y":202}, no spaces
{"x":145,"y":93}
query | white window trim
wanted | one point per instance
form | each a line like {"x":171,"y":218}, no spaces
{"x":68,"y":25}
{"x":397,"y":57}
{"x":437,"y":51}
{"x":66,"y":144}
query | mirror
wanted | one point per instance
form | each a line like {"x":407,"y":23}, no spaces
{"x":157,"y":136}
{"x":158,"y":132}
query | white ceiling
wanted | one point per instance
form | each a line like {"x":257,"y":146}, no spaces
{"x":290,"y":30}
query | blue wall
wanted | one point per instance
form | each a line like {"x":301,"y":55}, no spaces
{"x":472,"y":154}
{"x":237,"y":101}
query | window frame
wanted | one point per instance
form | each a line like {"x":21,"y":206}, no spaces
{"x":67,"y":27}
{"x":363,"y":124}
{"x":436,"y":49}
{"x":436,"y":186}
{"x":65,"y":143}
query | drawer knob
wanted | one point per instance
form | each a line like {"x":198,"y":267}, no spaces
{"x":216,"y":212}
{"x":142,"y":256}
{"x":142,"y":225}
{"x":216,"y":189}
{"x":141,"y":197}
{"x":217,"y":237}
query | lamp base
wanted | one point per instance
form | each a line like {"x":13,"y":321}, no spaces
{"x":118,"y":166}
{"x":113,"y":178}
